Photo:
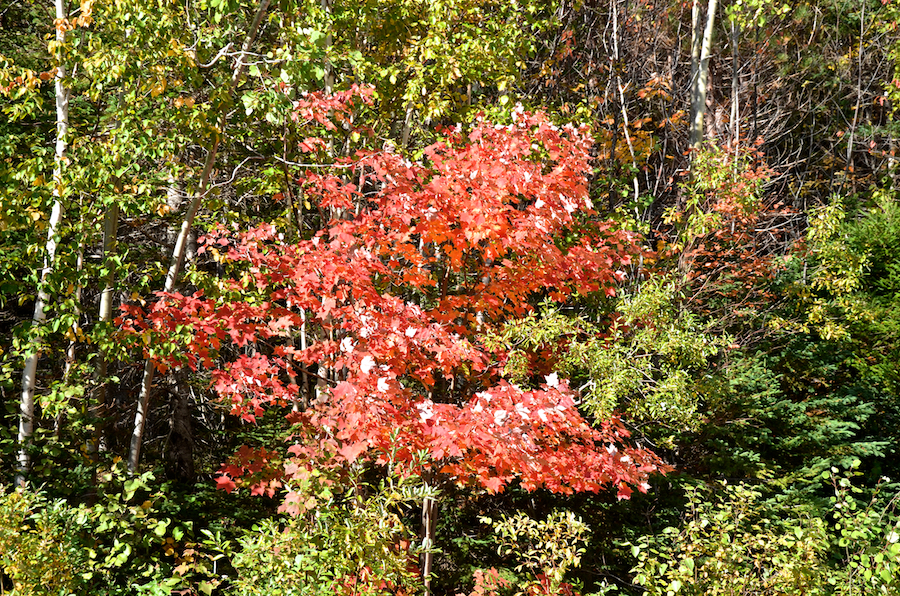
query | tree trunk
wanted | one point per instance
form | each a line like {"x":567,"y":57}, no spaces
{"x":26,"y":405}
{"x":329,"y":70}
{"x":429,"y":522}
{"x":695,"y":41}
{"x":178,"y":253}
{"x":735,"y":88}
{"x":621,"y":89}
{"x":848,"y":166}
{"x":73,"y":341}
{"x":700,"y":72}
{"x":179,"y":452}
{"x":110,"y":235}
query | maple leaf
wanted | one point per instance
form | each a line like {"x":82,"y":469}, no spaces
{"x":352,"y":451}
{"x":291,"y":504}
{"x":225,"y":483}
{"x":493,"y":484}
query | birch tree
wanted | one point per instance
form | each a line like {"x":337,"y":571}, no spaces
{"x":700,"y":69}
{"x":29,"y":374}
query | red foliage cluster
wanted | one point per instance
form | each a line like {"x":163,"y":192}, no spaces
{"x":416,"y":259}
{"x":731,"y":267}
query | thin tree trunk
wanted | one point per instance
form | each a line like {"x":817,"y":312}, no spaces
{"x":179,"y":452}
{"x":140,"y":418}
{"x":329,"y":70}
{"x":429,"y":522}
{"x":735,"y":88}
{"x":701,"y":75}
{"x":70,"y":350}
{"x":304,"y":377}
{"x":26,"y":405}
{"x":621,"y":89}
{"x":695,"y":41}
{"x":110,"y":235}
{"x":848,"y":168}
{"x":73,"y":341}
{"x":755,"y":96}
{"x":407,"y":126}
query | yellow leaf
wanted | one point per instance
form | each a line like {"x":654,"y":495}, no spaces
{"x":159,"y":87}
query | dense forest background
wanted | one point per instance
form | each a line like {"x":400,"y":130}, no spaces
{"x":449,"y":297}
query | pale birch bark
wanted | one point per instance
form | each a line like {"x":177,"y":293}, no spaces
{"x":104,"y":316}
{"x":329,"y":70}
{"x":621,"y":88}
{"x":178,"y":253}
{"x":26,"y":404}
{"x":848,"y":167}
{"x":73,"y":341}
{"x":429,"y":523}
{"x":735,"y":115}
{"x":407,"y":126}
{"x":700,"y":78}
{"x":695,"y":40}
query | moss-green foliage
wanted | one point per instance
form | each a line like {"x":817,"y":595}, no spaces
{"x":547,"y":548}
{"x":130,"y":535}
{"x":851,"y":299}
{"x":647,"y":363}
{"x":50,"y":547}
{"x":732,"y":541}
{"x":39,"y":546}
{"x":644,"y":362}
{"x":355,"y":543}
{"x":744,"y":538}
{"x":782,"y":416}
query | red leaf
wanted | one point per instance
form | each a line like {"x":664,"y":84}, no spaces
{"x":225,"y":483}
{"x":352,"y":451}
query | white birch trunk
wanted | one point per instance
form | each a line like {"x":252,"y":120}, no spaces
{"x":429,"y":523}
{"x":110,"y":235}
{"x":701,"y":75}
{"x":26,"y":405}
{"x":735,"y":89}
{"x":695,"y":41}
{"x":329,"y":70}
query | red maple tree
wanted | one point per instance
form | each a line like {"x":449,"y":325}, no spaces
{"x":416,"y":260}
